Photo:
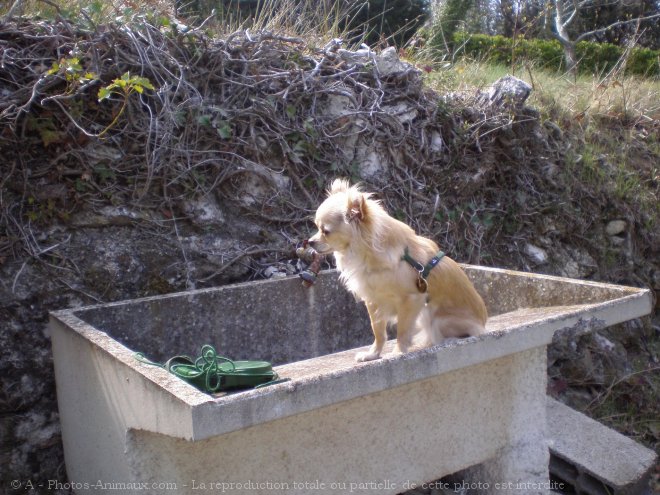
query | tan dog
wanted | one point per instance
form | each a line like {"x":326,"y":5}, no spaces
{"x":369,"y":247}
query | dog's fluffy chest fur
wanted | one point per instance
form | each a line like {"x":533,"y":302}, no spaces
{"x":380,"y":284}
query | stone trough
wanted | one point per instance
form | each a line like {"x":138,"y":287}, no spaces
{"x":476,"y":405}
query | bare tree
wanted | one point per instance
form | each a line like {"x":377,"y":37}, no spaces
{"x":560,"y":14}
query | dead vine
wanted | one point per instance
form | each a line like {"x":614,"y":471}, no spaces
{"x":254,"y":111}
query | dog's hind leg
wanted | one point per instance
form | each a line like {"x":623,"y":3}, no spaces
{"x":456,"y":327}
{"x":423,"y":332}
{"x":379,"y":328}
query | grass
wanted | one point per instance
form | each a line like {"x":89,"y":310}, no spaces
{"x":582,"y":98}
{"x":615,"y":121}
{"x":315,"y":22}
{"x":95,"y":10}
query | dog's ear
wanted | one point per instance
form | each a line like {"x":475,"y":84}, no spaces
{"x":357,"y":209}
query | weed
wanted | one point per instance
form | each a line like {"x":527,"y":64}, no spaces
{"x":71,"y":70}
{"x":46,"y":127}
{"x":124,"y":86}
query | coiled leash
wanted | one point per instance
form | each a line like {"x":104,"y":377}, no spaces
{"x":212,"y":373}
{"x":422,"y":270}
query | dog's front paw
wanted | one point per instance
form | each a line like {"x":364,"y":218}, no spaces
{"x":361,"y":357}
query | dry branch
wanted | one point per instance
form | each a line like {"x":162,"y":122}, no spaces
{"x":223,"y":114}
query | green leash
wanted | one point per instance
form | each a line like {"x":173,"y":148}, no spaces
{"x":212,"y":373}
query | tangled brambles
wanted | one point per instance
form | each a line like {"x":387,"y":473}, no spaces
{"x":148,"y":116}
{"x":257,"y":119}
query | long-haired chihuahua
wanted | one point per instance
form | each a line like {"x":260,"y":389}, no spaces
{"x":401,"y":277}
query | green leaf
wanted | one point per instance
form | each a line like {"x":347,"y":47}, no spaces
{"x":488,"y":220}
{"x":224,"y":129}
{"x":310,"y":129}
{"x":104,"y":93}
{"x":291,"y":111}
{"x":79,"y":185}
{"x":49,"y":136}
{"x":54,"y":69}
{"x":301,"y":147}
{"x":204,"y":120}
{"x":180,"y":118}
{"x":104,"y":174}
{"x":143,"y":81}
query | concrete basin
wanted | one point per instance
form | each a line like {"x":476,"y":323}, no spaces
{"x":476,"y":405}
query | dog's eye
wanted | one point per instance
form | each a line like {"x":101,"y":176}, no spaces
{"x":325,"y":231}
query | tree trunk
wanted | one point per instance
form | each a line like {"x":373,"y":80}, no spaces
{"x":562,"y":35}
{"x":569,"y":56}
